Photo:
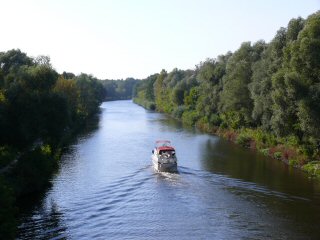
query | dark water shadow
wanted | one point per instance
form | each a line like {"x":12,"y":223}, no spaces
{"x":32,"y":204}
{"x":44,"y":223}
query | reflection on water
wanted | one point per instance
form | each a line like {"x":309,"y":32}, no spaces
{"x":107,"y":189}
{"x":44,"y":223}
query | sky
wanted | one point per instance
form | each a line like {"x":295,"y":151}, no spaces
{"x":116,"y":39}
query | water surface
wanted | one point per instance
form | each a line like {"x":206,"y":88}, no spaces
{"x":106,"y":187}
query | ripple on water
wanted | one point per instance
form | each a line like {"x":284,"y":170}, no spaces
{"x":100,"y":194}
{"x":139,"y":201}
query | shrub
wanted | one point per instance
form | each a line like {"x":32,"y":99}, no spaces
{"x":292,"y":140}
{"x":7,"y":155}
{"x":33,"y":170}
{"x":215,"y":120}
{"x":265,"y":151}
{"x":151,"y":106}
{"x":277,"y":155}
{"x":7,"y":211}
{"x":243,"y":140}
{"x":178,"y":112}
{"x":190,"y":117}
{"x":147,"y":104}
{"x":294,"y":162}
{"x":233,"y":119}
{"x":312,"y":168}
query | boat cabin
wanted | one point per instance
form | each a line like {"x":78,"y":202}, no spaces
{"x":164,"y":148}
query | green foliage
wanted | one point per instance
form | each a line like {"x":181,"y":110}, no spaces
{"x":243,"y":139}
{"x":190,"y":117}
{"x":11,"y":61}
{"x":7,"y":155}
{"x":294,"y":162}
{"x":177,"y":96}
{"x":7,"y":211}
{"x":215,"y":120}
{"x":33,"y":170}
{"x":265,"y":151}
{"x":119,"y":89}
{"x":90,"y":94}
{"x":277,"y":155}
{"x":233,"y":119}
{"x":145,"y":103}
{"x":284,"y":113}
{"x":178,"y":112}
{"x":235,"y":95}
{"x":312,"y":168}
{"x":159,"y":90}
{"x":191,"y":98}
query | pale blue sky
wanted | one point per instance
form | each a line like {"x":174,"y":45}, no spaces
{"x":136,"y":38}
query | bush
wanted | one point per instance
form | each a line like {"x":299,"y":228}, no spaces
{"x":277,"y":155}
{"x":292,"y":140}
{"x":215,"y":120}
{"x":190,"y":117}
{"x":33,"y":170}
{"x":233,"y":119}
{"x":265,"y":151}
{"x":144,"y":103}
{"x":309,"y":150}
{"x":7,"y":155}
{"x":151,"y":106}
{"x":243,"y":140}
{"x":312,"y":168}
{"x":7,"y":211}
{"x":178,"y":112}
{"x":294,"y":162}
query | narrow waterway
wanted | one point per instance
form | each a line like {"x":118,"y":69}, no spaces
{"x":106,"y":187}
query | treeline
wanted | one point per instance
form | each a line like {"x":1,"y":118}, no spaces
{"x":119,"y":89}
{"x":264,"y":95}
{"x":39,"y":108}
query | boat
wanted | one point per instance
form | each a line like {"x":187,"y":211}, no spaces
{"x":164,"y":157}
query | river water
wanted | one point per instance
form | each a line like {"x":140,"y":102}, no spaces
{"x":106,"y":187}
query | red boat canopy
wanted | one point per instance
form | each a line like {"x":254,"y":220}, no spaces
{"x":165,"y":148}
{"x":164,"y":145}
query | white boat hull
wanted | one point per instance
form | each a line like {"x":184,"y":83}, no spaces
{"x":168,"y":166}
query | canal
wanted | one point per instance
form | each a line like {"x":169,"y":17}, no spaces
{"x":106,"y":187}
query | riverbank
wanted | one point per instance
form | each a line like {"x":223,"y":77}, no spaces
{"x":286,"y":150}
{"x":39,"y":111}
{"x":29,"y":173}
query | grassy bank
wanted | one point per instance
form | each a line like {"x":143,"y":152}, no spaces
{"x":144,"y":103}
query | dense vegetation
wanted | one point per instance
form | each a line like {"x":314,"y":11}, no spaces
{"x":119,"y":89}
{"x":264,"y":95}
{"x":39,"y":108}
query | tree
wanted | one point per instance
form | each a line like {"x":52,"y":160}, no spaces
{"x":303,"y":62}
{"x":160,"y":91}
{"x":12,"y":60}
{"x":235,"y":95}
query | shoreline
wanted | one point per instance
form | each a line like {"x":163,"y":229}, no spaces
{"x":256,"y":140}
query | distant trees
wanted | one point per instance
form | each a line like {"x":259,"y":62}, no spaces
{"x":271,"y":86}
{"x":119,"y":89}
